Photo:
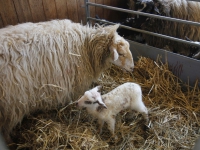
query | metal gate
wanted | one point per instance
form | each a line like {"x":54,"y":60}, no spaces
{"x":186,"y":68}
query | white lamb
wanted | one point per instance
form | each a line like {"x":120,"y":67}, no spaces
{"x":107,"y":106}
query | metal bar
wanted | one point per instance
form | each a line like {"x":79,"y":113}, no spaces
{"x":150,"y":33}
{"x":87,"y":10}
{"x":146,"y":14}
{"x":194,"y":0}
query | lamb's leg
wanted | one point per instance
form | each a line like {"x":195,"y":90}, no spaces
{"x":111,"y":125}
{"x":101,"y":123}
{"x":142,"y":109}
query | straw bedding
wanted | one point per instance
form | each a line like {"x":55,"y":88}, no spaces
{"x":174,"y":111}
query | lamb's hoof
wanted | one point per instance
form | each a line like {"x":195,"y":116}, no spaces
{"x":116,"y":137}
{"x":99,"y":131}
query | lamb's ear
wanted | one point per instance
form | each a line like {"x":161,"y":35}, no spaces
{"x":82,"y":98}
{"x":114,"y":53}
{"x":98,"y":87}
{"x":102,"y":103}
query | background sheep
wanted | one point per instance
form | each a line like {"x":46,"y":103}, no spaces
{"x":106,"y":107}
{"x":129,"y":34}
{"x":181,"y":9}
{"x":194,"y":50}
{"x":48,"y":64}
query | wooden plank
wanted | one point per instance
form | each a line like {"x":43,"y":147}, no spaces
{"x":23,"y":10}
{"x":37,"y":10}
{"x":99,"y":11}
{"x":107,"y":12}
{"x":116,"y":15}
{"x":72,"y":10}
{"x":81,"y":11}
{"x":50,"y":9}
{"x":1,"y":22}
{"x":19,"y":10}
{"x":92,"y":9}
{"x":61,"y":7}
{"x":8,"y":12}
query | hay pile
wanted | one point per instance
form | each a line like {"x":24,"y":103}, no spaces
{"x":174,"y":117}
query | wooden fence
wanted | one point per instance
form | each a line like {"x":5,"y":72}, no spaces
{"x":18,"y":11}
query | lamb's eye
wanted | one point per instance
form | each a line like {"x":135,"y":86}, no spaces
{"x":88,"y":102}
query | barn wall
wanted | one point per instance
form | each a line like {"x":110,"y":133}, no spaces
{"x":19,"y":11}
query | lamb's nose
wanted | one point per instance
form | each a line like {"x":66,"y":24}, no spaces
{"x":76,"y":103}
{"x":131,"y":69}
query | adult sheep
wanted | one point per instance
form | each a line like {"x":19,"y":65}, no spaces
{"x":181,"y":9}
{"x":48,"y":64}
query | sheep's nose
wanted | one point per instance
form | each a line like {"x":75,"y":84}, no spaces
{"x":76,"y":103}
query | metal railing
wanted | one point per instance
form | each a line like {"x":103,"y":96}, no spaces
{"x":88,"y":4}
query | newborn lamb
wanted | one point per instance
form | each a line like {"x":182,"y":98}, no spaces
{"x":106,"y":107}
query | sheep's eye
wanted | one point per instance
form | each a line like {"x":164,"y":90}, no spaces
{"x":88,"y":102}
{"x":139,"y":5}
{"x":121,"y":44}
{"x":121,"y":55}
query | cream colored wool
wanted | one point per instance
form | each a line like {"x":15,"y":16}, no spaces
{"x":48,"y":64}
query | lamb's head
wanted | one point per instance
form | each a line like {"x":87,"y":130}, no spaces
{"x":91,"y":98}
{"x":120,"y":52}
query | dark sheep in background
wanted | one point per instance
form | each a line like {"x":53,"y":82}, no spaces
{"x":181,"y":9}
{"x":129,"y":34}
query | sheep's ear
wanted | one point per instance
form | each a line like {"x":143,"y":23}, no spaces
{"x":112,"y":29}
{"x":114,"y":53}
{"x":157,"y":10}
{"x":187,"y":38}
{"x":115,"y":27}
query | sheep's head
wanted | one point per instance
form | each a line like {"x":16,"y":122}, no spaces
{"x":119,"y":50}
{"x":91,"y":98}
{"x":121,"y":54}
{"x":146,"y":6}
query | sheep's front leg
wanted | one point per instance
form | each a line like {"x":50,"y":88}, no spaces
{"x":101,"y":123}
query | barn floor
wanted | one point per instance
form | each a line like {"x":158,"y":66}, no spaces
{"x":174,"y":111}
